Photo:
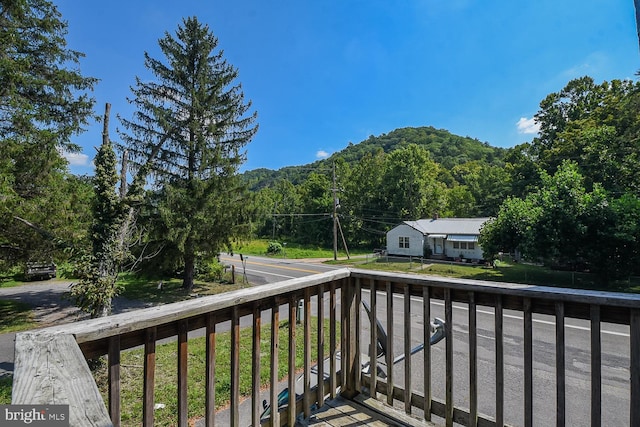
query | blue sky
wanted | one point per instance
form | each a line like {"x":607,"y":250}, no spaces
{"x":325,"y":73}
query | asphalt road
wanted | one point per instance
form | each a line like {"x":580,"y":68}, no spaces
{"x":615,"y":347}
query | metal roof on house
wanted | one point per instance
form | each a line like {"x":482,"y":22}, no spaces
{"x":458,"y":226}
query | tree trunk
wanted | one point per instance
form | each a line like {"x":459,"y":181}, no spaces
{"x":189,"y":265}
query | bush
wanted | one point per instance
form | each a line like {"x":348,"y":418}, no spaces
{"x":274,"y":248}
{"x":210,"y":271}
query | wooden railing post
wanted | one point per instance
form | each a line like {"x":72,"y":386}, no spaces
{"x":114,"y":380}
{"x":149,"y":376}
{"x":349,"y":359}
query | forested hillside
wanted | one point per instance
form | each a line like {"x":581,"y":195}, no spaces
{"x":445,"y":148}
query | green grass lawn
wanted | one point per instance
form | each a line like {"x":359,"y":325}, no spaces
{"x":5,"y":389}
{"x":145,"y":289}
{"x":259,"y":247}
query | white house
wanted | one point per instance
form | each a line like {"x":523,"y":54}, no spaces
{"x":441,"y":237}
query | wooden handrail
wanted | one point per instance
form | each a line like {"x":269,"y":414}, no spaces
{"x":65,"y":378}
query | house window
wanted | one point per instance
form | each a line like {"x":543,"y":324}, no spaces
{"x":456,"y":245}
{"x":403,"y":242}
{"x":471,"y":245}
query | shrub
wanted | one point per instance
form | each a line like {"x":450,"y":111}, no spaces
{"x":274,"y":248}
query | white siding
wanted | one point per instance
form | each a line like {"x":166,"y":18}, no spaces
{"x":416,"y":241}
{"x":474,"y":254}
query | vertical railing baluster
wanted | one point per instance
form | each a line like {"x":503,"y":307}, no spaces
{"x":114,"y":379}
{"x":343,"y":333}
{"x":407,"y":348}
{"x":528,"y":363}
{"x":292,"y":361}
{"x":426,"y":307}
{"x":499,"y":362}
{"x":307,"y":354}
{"x":255,"y":366}
{"x":349,"y":360}
{"x":210,"y":385}
{"x":320,"y":395}
{"x":473,"y":362}
{"x":389,"y":355}
{"x":634,"y":355}
{"x":275,"y":348}
{"x":560,"y":365}
{"x":149,"y":376}
{"x":448,"y":318}
{"x":333,"y":351}
{"x":183,"y":329}
{"x":373,"y":348}
{"x":235,"y":367}
{"x":357,"y":351}
{"x":596,"y":367}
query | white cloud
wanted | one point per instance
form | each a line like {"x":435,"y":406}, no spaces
{"x":76,"y":159}
{"x":528,"y":126}
{"x":321,"y":154}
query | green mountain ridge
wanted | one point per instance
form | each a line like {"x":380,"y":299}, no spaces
{"x":445,"y":148}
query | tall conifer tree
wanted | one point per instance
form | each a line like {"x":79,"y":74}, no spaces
{"x":194,"y":122}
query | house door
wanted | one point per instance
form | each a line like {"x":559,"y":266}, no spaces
{"x":437,"y":246}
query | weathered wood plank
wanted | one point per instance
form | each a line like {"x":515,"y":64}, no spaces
{"x":51,"y":369}
{"x":560,"y":365}
{"x":183,"y":355}
{"x":426,"y":315}
{"x":306,"y":403}
{"x":448,"y":318}
{"x":634,"y":362}
{"x":255,"y":366}
{"x":235,"y":368}
{"x":119,"y":324}
{"x":275,"y":349}
{"x":373,"y":347}
{"x":357,"y":328}
{"x":407,"y":349}
{"x":596,"y":368}
{"x":528,"y":363}
{"x":473,"y":363}
{"x":349,"y":366}
{"x":499,"y":336}
{"x":332,"y":341}
{"x":389,"y":355}
{"x":505,"y":289}
{"x":114,"y":380}
{"x":210,"y":382}
{"x":291,"y":383}
{"x":321,"y":346}
{"x":149,"y":377}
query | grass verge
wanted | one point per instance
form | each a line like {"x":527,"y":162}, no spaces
{"x":145,"y":289}
{"x":132,"y":365}
{"x":259,"y":247}
{"x":15,"y":316}
{"x":5,"y":389}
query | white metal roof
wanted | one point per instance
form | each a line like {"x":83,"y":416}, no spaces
{"x":458,"y":226}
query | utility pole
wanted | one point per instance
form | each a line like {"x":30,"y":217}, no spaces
{"x":335,"y":215}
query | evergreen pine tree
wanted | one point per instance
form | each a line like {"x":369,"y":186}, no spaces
{"x":193,"y":122}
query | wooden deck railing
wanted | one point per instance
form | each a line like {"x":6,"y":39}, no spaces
{"x":51,"y":367}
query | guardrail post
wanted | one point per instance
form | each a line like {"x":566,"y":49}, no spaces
{"x":349,"y":359}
